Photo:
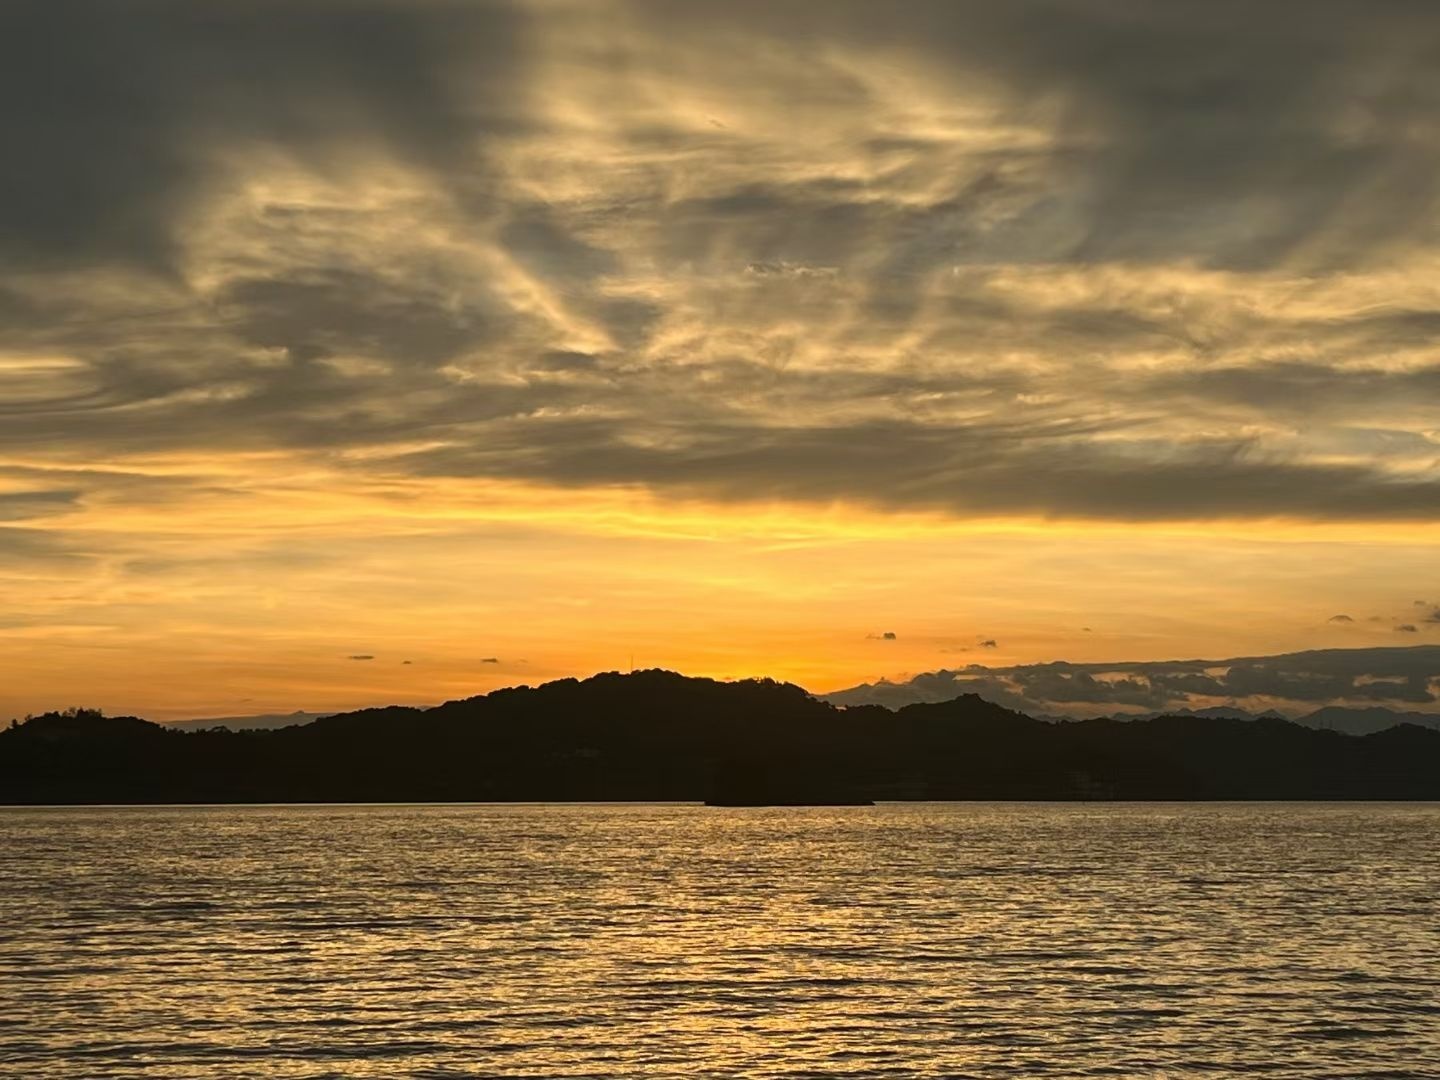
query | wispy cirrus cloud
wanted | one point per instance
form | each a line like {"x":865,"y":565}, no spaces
{"x":1073,"y":259}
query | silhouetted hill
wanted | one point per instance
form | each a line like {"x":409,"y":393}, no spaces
{"x":1347,"y":720}
{"x":659,"y":735}
{"x":1365,"y":721}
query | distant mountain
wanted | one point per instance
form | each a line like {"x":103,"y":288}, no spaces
{"x":1346,"y":720}
{"x":1223,"y":712}
{"x":1367,"y":721}
{"x":263,"y":722}
{"x":1216,"y":712}
{"x":1343,"y":719}
{"x":658,"y":735}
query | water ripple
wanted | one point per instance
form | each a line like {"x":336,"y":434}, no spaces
{"x":954,"y":940}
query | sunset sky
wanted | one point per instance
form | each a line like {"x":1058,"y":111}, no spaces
{"x":395,"y":350}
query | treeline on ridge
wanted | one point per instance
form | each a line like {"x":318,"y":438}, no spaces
{"x":656,"y":735}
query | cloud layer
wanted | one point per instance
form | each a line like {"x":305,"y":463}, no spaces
{"x":1301,"y":681}
{"x":1046,"y":258}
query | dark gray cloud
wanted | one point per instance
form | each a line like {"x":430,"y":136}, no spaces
{"x":1291,"y":387}
{"x":1317,"y":677}
{"x":1215,"y":130}
{"x":1045,"y":683}
{"x":346,"y":312}
{"x":360,"y":656}
{"x":990,"y":466}
{"x":120,"y":116}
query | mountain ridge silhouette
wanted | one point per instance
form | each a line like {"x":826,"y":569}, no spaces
{"x":660,"y":735}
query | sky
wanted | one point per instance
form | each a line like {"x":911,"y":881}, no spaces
{"x":366,"y":351}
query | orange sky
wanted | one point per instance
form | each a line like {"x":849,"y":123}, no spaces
{"x":253,"y":596}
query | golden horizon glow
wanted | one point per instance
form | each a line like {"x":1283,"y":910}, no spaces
{"x":248,"y":587}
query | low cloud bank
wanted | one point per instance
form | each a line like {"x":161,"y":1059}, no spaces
{"x":1291,"y":683}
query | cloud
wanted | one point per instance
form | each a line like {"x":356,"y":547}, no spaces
{"x":30,"y":544}
{"x":1407,"y":628}
{"x":888,"y":635}
{"x":128,"y":119}
{"x":490,"y":660}
{"x":360,"y":656}
{"x":1376,"y":675}
{"x":1070,"y":687}
{"x":989,"y":643}
{"x":1180,"y":133}
{"x":29,"y":505}
{"x":1340,"y":619}
{"x":1075,"y":259}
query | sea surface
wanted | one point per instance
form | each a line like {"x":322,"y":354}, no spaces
{"x":903,"y":940}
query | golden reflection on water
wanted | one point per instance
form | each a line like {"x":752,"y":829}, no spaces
{"x":901,"y":940}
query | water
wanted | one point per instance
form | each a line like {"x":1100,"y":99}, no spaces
{"x":953,"y":940}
